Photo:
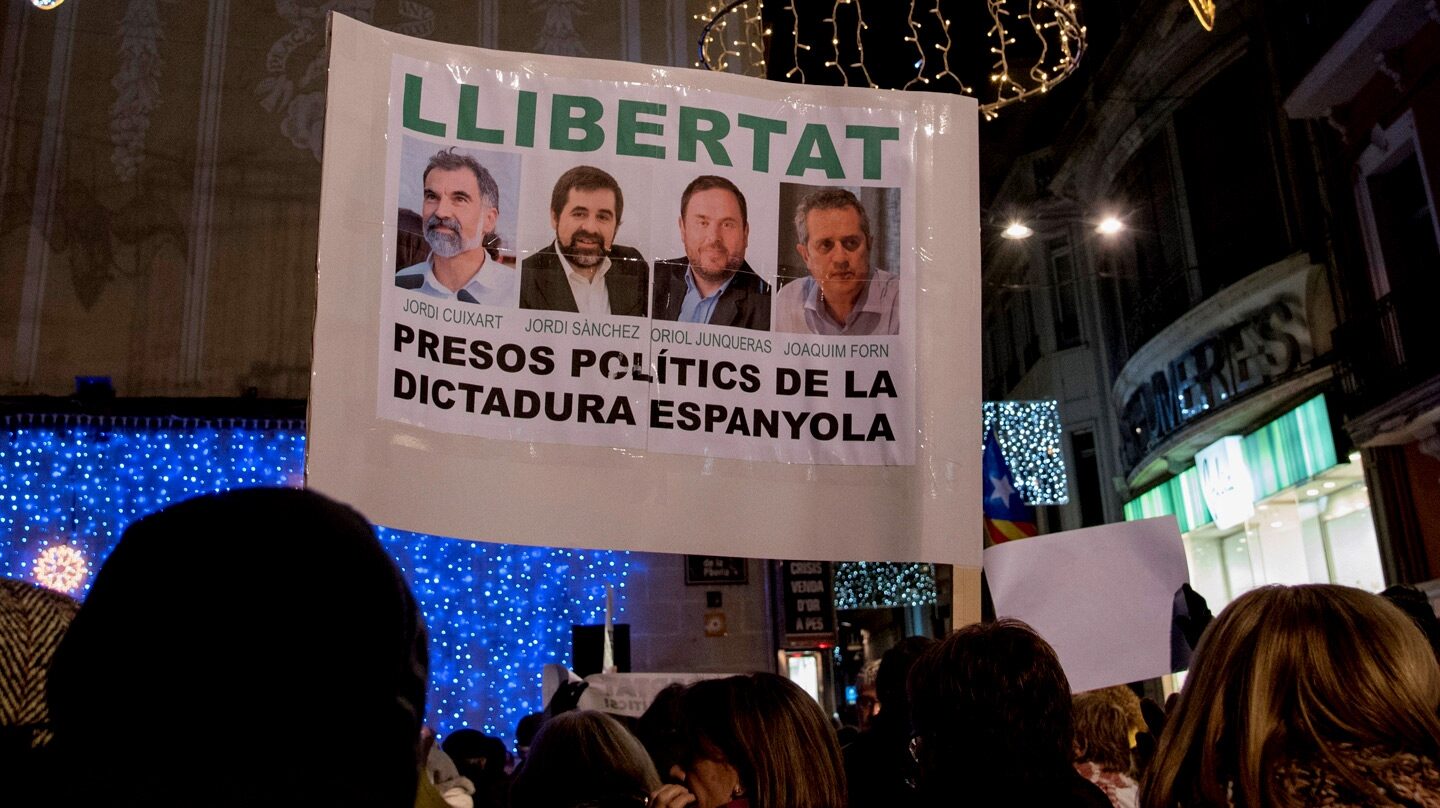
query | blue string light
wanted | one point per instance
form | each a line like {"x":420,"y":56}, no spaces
{"x":497,"y":613}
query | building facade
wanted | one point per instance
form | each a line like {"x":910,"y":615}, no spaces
{"x":160,"y":175}
{"x":1196,"y":345}
{"x":1374,"y":91}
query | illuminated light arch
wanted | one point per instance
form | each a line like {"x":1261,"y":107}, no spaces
{"x":1051,"y":28}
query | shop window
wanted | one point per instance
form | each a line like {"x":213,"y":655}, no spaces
{"x":1349,"y":530}
{"x":1207,"y":569}
{"x":1320,"y":531}
{"x":1312,"y":521}
{"x":1279,"y":544}
{"x":1317,"y":551}
{"x":1241,"y":561}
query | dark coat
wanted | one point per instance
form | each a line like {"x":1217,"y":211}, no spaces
{"x":745,"y":303}
{"x":543,"y":284}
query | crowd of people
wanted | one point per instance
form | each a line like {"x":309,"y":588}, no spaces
{"x":249,"y":685}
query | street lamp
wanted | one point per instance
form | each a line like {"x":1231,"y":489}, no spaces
{"x":1020,"y":228}
{"x":1016,"y":231}
{"x":1109,"y":226}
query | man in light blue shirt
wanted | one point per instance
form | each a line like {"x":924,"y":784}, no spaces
{"x":696,"y":308}
{"x":843,"y":295}
{"x":461,"y":204}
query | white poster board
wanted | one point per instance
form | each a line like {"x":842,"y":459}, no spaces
{"x":628,"y":694}
{"x":1102,"y":596}
{"x":500,"y":415}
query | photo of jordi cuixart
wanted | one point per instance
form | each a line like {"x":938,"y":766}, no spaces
{"x":456,"y":223}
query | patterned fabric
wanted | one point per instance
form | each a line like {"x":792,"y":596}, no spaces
{"x":32,"y":621}
{"x":1119,"y":787}
{"x":1397,"y":779}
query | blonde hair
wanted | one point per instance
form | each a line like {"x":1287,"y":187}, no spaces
{"x":1104,"y":722}
{"x":1290,"y":673}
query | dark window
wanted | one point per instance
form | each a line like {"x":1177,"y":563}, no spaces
{"x":1087,"y":478}
{"x":1043,"y":171}
{"x":1148,"y":183}
{"x":995,"y":342}
{"x":1063,"y":296}
{"x":1406,"y":227}
{"x":1153,"y":242}
{"x":1022,"y":324}
{"x":1116,"y":288}
{"x":1232,"y":177}
{"x":998,"y":336}
{"x":1049,"y":519}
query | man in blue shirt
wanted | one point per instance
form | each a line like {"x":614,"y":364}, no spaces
{"x":844,"y":295}
{"x":461,"y":204}
{"x":712,"y":283}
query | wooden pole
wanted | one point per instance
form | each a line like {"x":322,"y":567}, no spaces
{"x":965,"y":596}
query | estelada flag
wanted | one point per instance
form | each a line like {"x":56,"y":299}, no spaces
{"x":1007,"y":516}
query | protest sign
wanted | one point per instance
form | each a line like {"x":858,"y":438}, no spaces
{"x":584,"y":303}
{"x":627,"y":694}
{"x":1104,"y":597}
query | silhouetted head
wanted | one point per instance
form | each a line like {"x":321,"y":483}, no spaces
{"x":257,"y":647}
{"x":890,"y":680}
{"x":477,"y":756}
{"x":991,"y":700}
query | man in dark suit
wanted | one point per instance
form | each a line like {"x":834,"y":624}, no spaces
{"x":584,"y":270}
{"x":712,"y":283}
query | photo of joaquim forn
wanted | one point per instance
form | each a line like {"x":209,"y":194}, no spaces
{"x":843,"y":292}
